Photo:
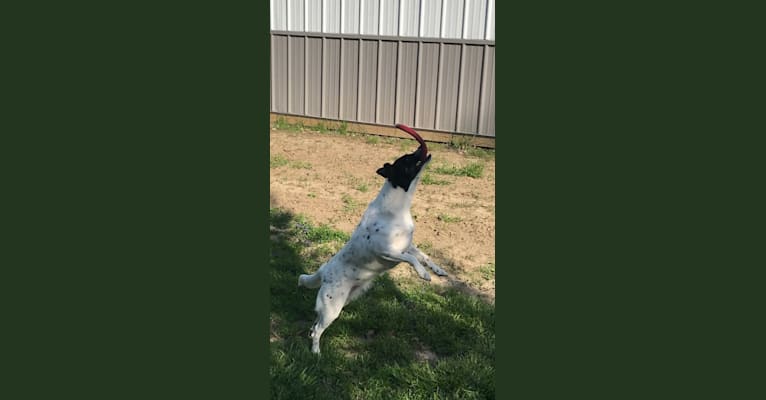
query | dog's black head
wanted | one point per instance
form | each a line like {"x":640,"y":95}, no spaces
{"x":407,"y":167}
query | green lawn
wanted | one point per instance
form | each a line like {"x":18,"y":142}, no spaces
{"x":402,"y":340}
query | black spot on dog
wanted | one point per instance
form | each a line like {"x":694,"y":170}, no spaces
{"x":368,"y":237}
{"x":377,"y":230}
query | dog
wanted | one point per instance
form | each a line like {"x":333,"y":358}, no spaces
{"x":381,"y":241}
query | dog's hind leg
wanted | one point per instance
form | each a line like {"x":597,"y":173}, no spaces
{"x":423,"y":258}
{"x":328,"y":308}
{"x":409,"y":259}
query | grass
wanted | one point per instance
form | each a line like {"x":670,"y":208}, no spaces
{"x":487,"y":271}
{"x":428,"y":179}
{"x":280,"y":161}
{"x":349,"y":204}
{"x":473,"y":170}
{"x":448,"y":218}
{"x":401,"y":340}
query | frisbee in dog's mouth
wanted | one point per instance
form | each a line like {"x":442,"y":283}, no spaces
{"x":423,"y":147}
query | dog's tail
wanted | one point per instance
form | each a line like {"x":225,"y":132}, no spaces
{"x":312,"y":281}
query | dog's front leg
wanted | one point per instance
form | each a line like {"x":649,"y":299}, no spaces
{"x":426,"y":260}
{"x":409,"y":259}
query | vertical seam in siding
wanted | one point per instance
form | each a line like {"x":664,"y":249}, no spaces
{"x":486,"y":20}
{"x":305,"y":74}
{"x":460,"y":80}
{"x":359,"y":79}
{"x":482,"y":90}
{"x":396,"y":80}
{"x":420,"y":16}
{"x":288,"y":72}
{"x":340,"y":81}
{"x":439,"y":73}
{"x":287,"y":17}
{"x":377,"y":84}
{"x":322,"y":79}
{"x":417,"y":84}
{"x":465,"y":17}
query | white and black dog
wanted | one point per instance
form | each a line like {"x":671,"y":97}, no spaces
{"x":382,"y":240}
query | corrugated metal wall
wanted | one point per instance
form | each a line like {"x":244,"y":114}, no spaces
{"x":426,"y":63}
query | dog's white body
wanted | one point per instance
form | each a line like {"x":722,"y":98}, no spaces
{"x":382,"y":240}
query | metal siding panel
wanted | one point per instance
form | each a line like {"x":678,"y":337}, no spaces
{"x":475,"y":17}
{"x":429,"y":68}
{"x":296,"y":76}
{"x":409,"y":18}
{"x":430,"y":18}
{"x":448,"y":87}
{"x":278,"y":15}
{"x":368,"y":77}
{"x":349,"y":74}
{"x":314,"y":77}
{"x":295,"y":15}
{"x":389,"y":17}
{"x":331,"y":16}
{"x":387,"y":82}
{"x":470,"y":89}
{"x":490,"y":28}
{"x":279,"y":73}
{"x":313,"y":15}
{"x":452,"y":19}
{"x":350,"y":16}
{"x":406,"y":82}
{"x":370,"y":17}
{"x":488,"y":102}
{"x":331,"y":76}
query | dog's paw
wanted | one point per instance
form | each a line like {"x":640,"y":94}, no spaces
{"x":425,"y":276}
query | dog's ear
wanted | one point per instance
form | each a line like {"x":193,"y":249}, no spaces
{"x":385,"y":171}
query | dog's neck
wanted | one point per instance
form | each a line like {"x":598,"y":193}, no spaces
{"x":395,"y":200}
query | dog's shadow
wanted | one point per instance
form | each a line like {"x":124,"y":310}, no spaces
{"x":388,"y":337}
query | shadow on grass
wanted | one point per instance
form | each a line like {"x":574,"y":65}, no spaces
{"x":401,"y":340}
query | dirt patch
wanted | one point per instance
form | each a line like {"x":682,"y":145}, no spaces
{"x":331,"y":179}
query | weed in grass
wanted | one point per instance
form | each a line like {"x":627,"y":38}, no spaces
{"x":473,"y":170}
{"x":488,"y":271}
{"x":372,"y":139}
{"x":362,"y":187}
{"x":448,"y":218}
{"x":349,"y":204}
{"x":426,"y":247}
{"x":401,"y":340}
{"x":461,"y":142}
{"x":278,"y":161}
{"x":428,"y":179}
{"x":478,"y":152}
{"x":343,"y":128}
{"x":312,"y":195}
{"x":321,"y":127}
{"x":301,"y":165}
{"x":281,"y":124}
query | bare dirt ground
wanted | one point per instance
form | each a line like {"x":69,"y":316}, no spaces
{"x":330,"y":178}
